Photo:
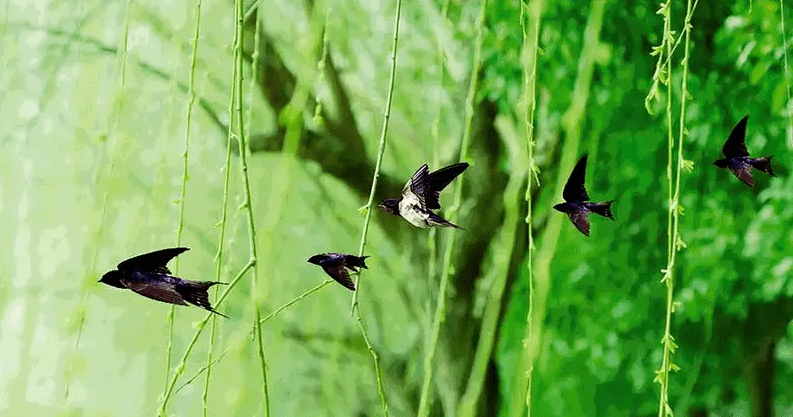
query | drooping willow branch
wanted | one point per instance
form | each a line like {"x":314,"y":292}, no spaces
{"x":235,"y":105}
{"x":247,"y":203}
{"x":179,"y":370}
{"x":534,"y":13}
{"x":116,"y":114}
{"x":440,"y":309}
{"x":368,"y":208}
{"x":572,"y":121}
{"x":432,"y":237}
{"x":787,"y":75}
{"x":183,"y":190}
{"x":663,"y":74}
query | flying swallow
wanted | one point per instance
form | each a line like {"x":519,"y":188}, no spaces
{"x":420,"y":196}
{"x":577,"y":205}
{"x":334,"y":264}
{"x":149,"y":276}
{"x":737,"y":159}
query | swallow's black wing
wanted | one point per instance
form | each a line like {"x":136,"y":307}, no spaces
{"x":744,"y":173}
{"x":580,"y":219}
{"x":157,"y":290}
{"x":418,"y":184}
{"x":428,"y":186}
{"x":574,"y":189}
{"x":735,"y":145}
{"x":336,"y":271}
{"x":439,"y":180}
{"x":156,"y":261}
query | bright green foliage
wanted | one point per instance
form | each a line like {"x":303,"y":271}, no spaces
{"x":93,"y":137}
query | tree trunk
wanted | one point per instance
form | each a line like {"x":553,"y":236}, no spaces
{"x":760,"y":376}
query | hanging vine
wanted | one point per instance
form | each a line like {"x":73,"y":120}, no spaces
{"x":663,"y":75}
{"x":446,"y":271}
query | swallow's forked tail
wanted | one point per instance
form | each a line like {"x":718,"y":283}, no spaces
{"x":358,"y":261}
{"x":195,"y":292}
{"x":440,"y":221}
{"x":603,"y":209}
{"x":763,"y":164}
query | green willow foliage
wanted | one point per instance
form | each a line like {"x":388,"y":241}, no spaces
{"x":122,"y":131}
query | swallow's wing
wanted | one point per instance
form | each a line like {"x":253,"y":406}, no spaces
{"x":156,"y":261}
{"x":580,"y":219}
{"x":744,"y":173}
{"x":735,"y":145}
{"x":336,"y":271}
{"x":156,"y":290}
{"x":574,"y":189}
{"x":438,"y":180}
{"x":418,"y":185}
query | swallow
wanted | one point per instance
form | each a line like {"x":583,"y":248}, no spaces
{"x":149,"y":276}
{"x":334,"y":263}
{"x":737,"y":159}
{"x":577,"y":205}
{"x":420,"y":196}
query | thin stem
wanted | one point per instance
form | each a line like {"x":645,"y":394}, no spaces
{"x":183,"y":190}
{"x":252,"y":9}
{"x":188,"y":123}
{"x":675,"y":242}
{"x":662,"y":375}
{"x":440,"y":309}
{"x":199,"y":328}
{"x":218,"y":259}
{"x":571,"y":122}
{"x":520,"y":170}
{"x":190,"y":104}
{"x":118,"y":105}
{"x":503,"y":249}
{"x":200,"y":371}
{"x":787,"y":76}
{"x":355,"y":311}
{"x":247,"y":204}
{"x":663,"y":407}
{"x":296,"y":299}
{"x":529,"y":86}
{"x":380,"y":150}
{"x":169,"y":389}
{"x":321,"y":64}
{"x":292,"y":118}
{"x":378,"y":375}
{"x":436,"y":157}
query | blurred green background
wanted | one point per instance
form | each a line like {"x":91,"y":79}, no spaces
{"x":92,"y":136}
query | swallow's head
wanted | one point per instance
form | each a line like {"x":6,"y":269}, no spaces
{"x":113,"y":278}
{"x":721,"y":163}
{"x":316,"y":259}
{"x":390,"y":205}
{"x":561,"y":207}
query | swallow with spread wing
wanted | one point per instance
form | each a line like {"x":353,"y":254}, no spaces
{"x":334,"y":263}
{"x":149,"y":276}
{"x":420,"y":196}
{"x":577,"y":205}
{"x":736,"y":157}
